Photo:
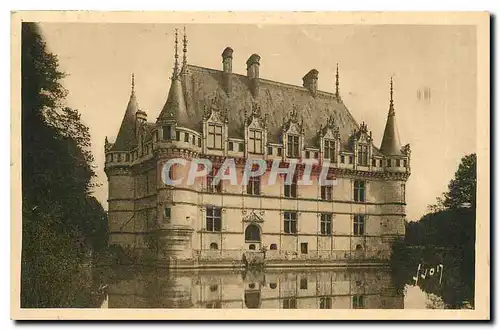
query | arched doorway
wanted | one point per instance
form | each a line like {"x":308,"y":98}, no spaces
{"x":253,"y":237}
{"x":252,"y":233}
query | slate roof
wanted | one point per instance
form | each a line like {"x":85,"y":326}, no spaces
{"x":198,"y":86}
{"x":125,"y":140}
{"x":276,"y":100}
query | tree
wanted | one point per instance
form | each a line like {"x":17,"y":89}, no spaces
{"x":62,"y":222}
{"x":462,"y":189}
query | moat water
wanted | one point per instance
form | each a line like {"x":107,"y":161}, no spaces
{"x":412,"y":285}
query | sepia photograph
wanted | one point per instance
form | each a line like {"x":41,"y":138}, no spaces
{"x":207,"y":161}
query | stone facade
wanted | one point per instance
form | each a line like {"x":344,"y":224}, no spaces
{"x":218,"y":115}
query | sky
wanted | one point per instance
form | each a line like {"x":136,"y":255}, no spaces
{"x":100,"y":58}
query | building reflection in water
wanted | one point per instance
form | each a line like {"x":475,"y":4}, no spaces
{"x":369,"y":288}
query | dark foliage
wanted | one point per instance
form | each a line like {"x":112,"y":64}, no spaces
{"x":444,"y":236}
{"x":62,"y":223}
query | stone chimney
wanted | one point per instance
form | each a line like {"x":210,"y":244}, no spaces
{"x":310,"y":81}
{"x":253,"y":64}
{"x":227,"y":68}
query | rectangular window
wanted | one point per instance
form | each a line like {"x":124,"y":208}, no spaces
{"x":398,"y":162}
{"x":389,"y":163}
{"x":326,"y":193}
{"x":199,"y":142}
{"x":213,"y":219}
{"x":303,"y":250}
{"x":214,"y":136}
{"x":342,"y":159}
{"x":127,"y":157}
{"x":255,"y":141}
{"x":193,"y":141}
{"x":291,"y":189}
{"x":289,"y":303}
{"x":359,"y":190}
{"x":178,"y":135}
{"x":374,"y":162}
{"x":303,"y":281}
{"x":350,"y":159}
{"x":290,"y":222}
{"x":326,"y":224}
{"x":330,"y":150}
{"x":253,"y":187}
{"x":358,"y":302}
{"x":293,"y":146}
{"x":186,"y":137}
{"x":359,"y":225}
{"x":230,"y":146}
{"x":241,"y":147}
{"x":315,"y":155}
{"x":269,"y":150}
{"x":308,"y":154}
{"x":167,"y":132}
{"x":210,"y":179}
{"x":363,"y":155}
{"x":279,"y":151}
{"x":325,"y":302}
{"x":167,"y":212}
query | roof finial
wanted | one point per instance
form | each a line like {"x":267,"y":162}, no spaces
{"x":133,"y":84}
{"x":184,"y":50}
{"x":337,"y":93}
{"x":391,"y":103}
{"x":176,"y":63}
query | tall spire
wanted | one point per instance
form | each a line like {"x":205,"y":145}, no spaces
{"x":175,"y":74}
{"x":133,"y":84}
{"x":391,"y":145}
{"x":391,"y":103}
{"x":184,"y":51}
{"x":337,"y":82}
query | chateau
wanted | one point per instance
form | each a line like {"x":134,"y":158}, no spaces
{"x":219,"y":114}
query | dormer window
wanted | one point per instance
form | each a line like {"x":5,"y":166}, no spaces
{"x":363,"y":155}
{"x":214,"y":140}
{"x":292,"y":146}
{"x":255,"y":141}
{"x":167,"y":132}
{"x":330,"y":150}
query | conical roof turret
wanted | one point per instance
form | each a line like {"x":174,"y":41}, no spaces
{"x":126,"y":138}
{"x":391,"y":144}
{"x":175,"y":107}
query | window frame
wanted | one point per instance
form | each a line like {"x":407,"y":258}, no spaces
{"x":362,"y":154}
{"x":209,"y":179}
{"x":214,"y":136}
{"x":293,"y":146}
{"x":359,"y":191}
{"x":326,"y":223}
{"x":253,"y":140}
{"x":329,"y":150}
{"x":359,"y":225}
{"x":167,"y":132}
{"x":326,"y":193}
{"x":213,"y":219}
{"x":253,"y":186}
{"x":290,"y":222}
{"x":290,"y":190}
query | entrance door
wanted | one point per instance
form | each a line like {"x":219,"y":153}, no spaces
{"x":253,"y":237}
